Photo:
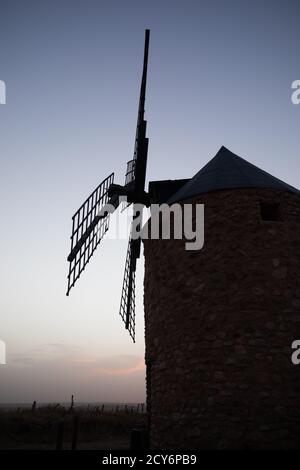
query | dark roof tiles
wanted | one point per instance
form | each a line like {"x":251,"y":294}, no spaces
{"x":228,"y":171}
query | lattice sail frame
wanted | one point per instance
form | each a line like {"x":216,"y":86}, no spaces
{"x":88,"y":229}
{"x":130,"y":171}
{"x":136,"y":168}
{"x":127,"y":305}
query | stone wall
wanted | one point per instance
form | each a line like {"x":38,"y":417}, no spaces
{"x":219,"y":324}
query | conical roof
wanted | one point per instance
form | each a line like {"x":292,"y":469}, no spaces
{"x":228,"y":171}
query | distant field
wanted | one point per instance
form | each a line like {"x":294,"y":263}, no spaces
{"x":104,"y":426}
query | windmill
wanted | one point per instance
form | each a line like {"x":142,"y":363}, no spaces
{"x":91,"y":221}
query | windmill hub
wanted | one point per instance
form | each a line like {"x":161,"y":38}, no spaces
{"x":131,"y":194}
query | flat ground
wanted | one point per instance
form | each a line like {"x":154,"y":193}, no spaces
{"x":42,"y":427}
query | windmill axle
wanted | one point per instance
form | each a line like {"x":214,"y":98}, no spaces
{"x":132,"y":195}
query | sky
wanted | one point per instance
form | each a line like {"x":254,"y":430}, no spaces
{"x":219,"y":73}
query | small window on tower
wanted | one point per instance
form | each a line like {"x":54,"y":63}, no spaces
{"x":269,"y":211}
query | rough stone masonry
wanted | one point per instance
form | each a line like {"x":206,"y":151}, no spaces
{"x":219,"y":324}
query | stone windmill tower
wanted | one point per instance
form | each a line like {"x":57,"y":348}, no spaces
{"x":219,"y":322}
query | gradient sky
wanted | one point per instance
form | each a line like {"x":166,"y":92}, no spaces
{"x":220,"y":73}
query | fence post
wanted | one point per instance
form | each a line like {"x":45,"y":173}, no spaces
{"x":72,"y":403}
